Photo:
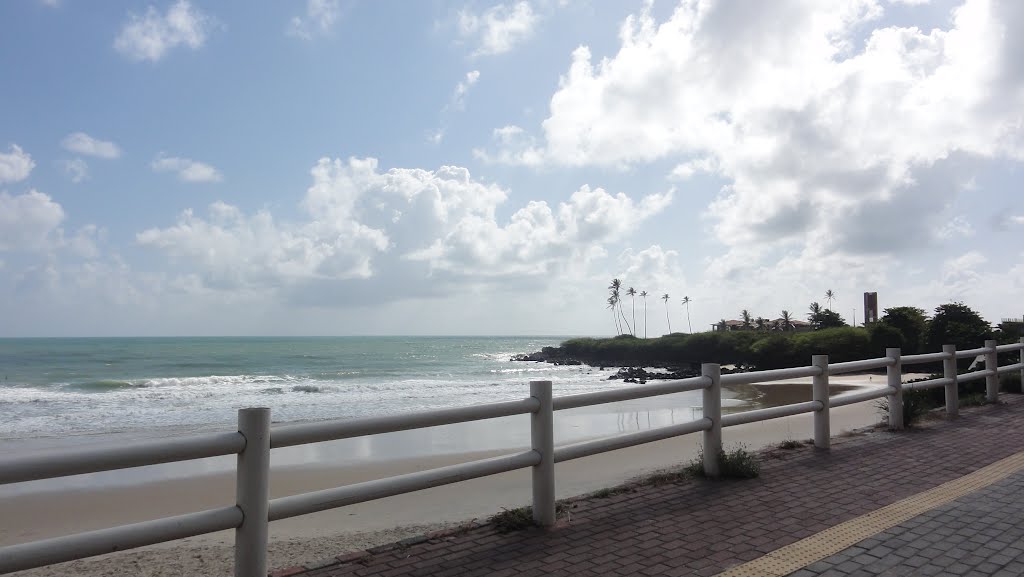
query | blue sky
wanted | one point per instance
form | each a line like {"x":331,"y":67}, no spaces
{"x":333,"y":167}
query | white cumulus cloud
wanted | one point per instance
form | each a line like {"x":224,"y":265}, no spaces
{"x":15,"y":165}
{"x":28,"y":221}
{"x":391,"y":229}
{"x":86,"y":145}
{"x":828,"y":127}
{"x":319,"y":18}
{"x":152,"y":35}
{"x":187,"y":170}
{"x":499,"y":28}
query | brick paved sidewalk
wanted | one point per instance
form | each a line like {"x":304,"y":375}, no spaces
{"x":703,"y":527}
{"x":978,"y":535}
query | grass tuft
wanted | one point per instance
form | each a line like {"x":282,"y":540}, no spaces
{"x":611,"y":492}
{"x":513,"y":519}
{"x":739,"y":463}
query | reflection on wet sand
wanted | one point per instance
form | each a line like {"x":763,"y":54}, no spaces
{"x":738,"y":398}
{"x":573,"y":425}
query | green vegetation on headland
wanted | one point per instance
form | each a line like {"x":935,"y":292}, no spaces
{"x":740,"y":348}
{"x":918,"y":403}
{"x":906,"y":327}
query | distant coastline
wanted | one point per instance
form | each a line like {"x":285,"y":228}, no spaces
{"x":678,"y":355}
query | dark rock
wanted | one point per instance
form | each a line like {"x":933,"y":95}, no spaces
{"x":641,"y":375}
{"x":535,"y":357}
{"x":553,"y":355}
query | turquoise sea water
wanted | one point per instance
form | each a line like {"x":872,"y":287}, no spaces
{"x":69,"y":386}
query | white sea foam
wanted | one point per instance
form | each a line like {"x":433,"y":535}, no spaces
{"x":333,"y":381}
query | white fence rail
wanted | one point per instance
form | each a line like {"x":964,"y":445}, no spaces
{"x":255,"y":438}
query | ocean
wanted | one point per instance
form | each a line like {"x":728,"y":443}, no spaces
{"x":60,"y":387}
{"x":62,"y":393}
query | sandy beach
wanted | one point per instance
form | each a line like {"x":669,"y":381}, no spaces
{"x":37,"y":515}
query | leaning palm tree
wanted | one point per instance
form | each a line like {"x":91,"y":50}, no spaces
{"x":787,"y":320}
{"x":643,"y":295}
{"x":615,"y":287}
{"x":686,"y":302}
{"x":632,"y":296}
{"x":746,"y":316}
{"x":614,"y":304}
{"x":830,"y":296}
{"x":625,"y":322}
{"x":664,"y":297}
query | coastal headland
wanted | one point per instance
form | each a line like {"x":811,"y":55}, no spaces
{"x":679,"y":356}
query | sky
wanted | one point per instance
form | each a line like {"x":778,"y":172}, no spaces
{"x":343,"y":167}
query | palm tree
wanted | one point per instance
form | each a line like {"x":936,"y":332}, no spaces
{"x":761,"y":323}
{"x":815,"y":314}
{"x":664,"y":297}
{"x":632,"y":295}
{"x":830,"y":296}
{"x":643,"y":295}
{"x":625,"y":322}
{"x":613,"y":304}
{"x":722,"y":325}
{"x":614,"y":288}
{"x":745,"y":315}
{"x":787,"y":320}
{"x":686,"y":302}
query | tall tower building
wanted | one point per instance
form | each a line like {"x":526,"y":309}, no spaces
{"x":870,"y":308}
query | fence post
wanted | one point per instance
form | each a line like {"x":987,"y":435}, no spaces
{"x":991,"y":381}
{"x":252,"y":480}
{"x":1022,"y":369}
{"x":542,"y":439}
{"x":822,"y":420}
{"x":894,"y":380}
{"x":713,"y":411}
{"x":953,"y":388}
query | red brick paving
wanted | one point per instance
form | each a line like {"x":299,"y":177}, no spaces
{"x":703,"y":527}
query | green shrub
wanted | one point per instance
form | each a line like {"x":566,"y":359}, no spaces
{"x":738,"y":463}
{"x":513,"y":519}
{"x":758,"y":349}
{"x":883,"y":336}
{"x":974,"y":400}
{"x":970,"y":394}
{"x":916,"y":404}
{"x":773,"y":352}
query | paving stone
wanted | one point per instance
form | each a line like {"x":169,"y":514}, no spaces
{"x":702,"y":527}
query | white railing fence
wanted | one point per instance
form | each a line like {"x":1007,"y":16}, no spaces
{"x":255,"y":438}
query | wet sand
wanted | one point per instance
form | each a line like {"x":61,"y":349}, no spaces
{"x":36,"y":514}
